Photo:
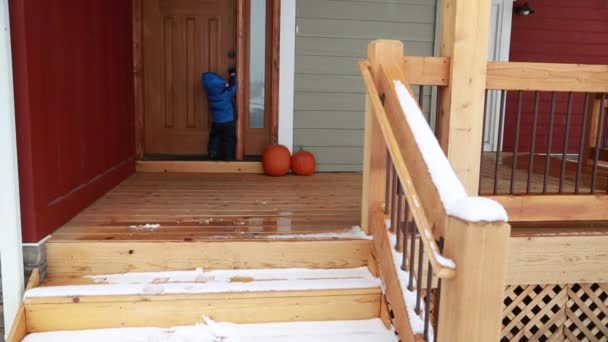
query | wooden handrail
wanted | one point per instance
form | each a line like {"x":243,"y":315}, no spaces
{"x":472,"y":289}
{"x":424,"y":224}
{"x":558,"y":77}
{"x":547,"y":77}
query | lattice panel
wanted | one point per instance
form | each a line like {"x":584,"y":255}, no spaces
{"x":577,"y":312}
{"x":587,"y":311}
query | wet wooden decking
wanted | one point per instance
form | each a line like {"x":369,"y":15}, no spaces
{"x":194,"y":207}
{"x":202,"y":207}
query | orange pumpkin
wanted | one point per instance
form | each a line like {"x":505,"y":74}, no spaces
{"x":303,"y":163}
{"x":275,"y":160}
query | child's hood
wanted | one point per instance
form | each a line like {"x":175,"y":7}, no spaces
{"x":213,"y":82}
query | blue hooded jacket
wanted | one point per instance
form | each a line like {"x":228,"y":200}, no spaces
{"x":220,"y":95}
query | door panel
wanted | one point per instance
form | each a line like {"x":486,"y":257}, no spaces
{"x":181,"y":40}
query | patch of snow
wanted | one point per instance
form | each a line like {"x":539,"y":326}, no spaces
{"x":354,"y":233}
{"x":330,"y":331}
{"x":441,"y":260}
{"x":451,"y":191}
{"x":147,"y":226}
{"x":217,"y":281}
{"x":477,"y":209}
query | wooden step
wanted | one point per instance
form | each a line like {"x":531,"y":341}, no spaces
{"x":169,"y":299}
{"x":352,"y":331}
{"x":103,"y":257}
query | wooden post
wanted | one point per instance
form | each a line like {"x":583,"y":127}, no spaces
{"x":138,"y":79}
{"x":464,"y":38}
{"x":593,"y":120}
{"x":472,"y":301}
{"x":374,"y":153}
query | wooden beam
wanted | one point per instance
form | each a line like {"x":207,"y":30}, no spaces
{"x":593,"y":121}
{"x":557,"y":77}
{"x":199,"y":166}
{"x":465,"y":31}
{"x":558,"y":260}
{"x":19,"y":328}
{"x":427,"y":70}
{"x":552,"y":208}
{"x":242,"y":66}
{"x":472,"y":302}
{"x":80,"y":313}
{"x":138,"y":79}
{"x":274,"y":50}
{"x":392,"y":286}
{"x":86,"y":258}
{"x":547,"y":77}
{"x":34,"y":279}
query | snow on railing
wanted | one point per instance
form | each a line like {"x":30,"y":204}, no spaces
{"x":451,"y":191}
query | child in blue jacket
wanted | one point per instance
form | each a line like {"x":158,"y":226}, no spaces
{"x":222,"y":140}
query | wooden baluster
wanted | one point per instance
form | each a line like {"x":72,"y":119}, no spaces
{"x":593,"y":118}
{"x":581,"y":152}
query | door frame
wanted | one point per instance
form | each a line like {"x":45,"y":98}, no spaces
{"x":11,"y":249}
{"x":502,"y":47}
{"x":273,"y":26}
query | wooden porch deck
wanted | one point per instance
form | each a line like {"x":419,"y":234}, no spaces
{"x":206,"y":207}
{"x":199,"y":207}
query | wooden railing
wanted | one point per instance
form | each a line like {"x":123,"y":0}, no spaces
{"x":557,"y":115}
{"x":435,"y":228}
{"x":444,"y":275}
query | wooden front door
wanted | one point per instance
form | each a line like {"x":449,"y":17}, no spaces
{"x":181,"y":40}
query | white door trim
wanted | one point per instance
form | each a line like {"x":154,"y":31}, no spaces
{"x":11,"y":252}
{"x":287,"y":72}
{"x":501,"y":41}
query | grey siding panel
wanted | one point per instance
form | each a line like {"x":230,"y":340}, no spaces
{"x":401,"y":12}
{"x":332,"y":37}
{"x":328,"y":119}
{"x":350,"y":47}
{"x":326,"y":65}
{"x":329,"y":101}
{"x":329,"y":137}
{"x":331,"y":28}
{"x":349,"y":84}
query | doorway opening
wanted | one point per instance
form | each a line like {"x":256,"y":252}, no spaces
{"x":175,"y":42}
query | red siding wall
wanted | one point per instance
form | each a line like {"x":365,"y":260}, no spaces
{"x":74,"y":102}
{"x":561,"y":31}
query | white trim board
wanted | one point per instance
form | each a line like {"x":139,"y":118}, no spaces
{"x":499,"y":48}
{"x":11,"y":252}
{"x":287,"y":61}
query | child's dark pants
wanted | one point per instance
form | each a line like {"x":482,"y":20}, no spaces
{"x":222,"y":141}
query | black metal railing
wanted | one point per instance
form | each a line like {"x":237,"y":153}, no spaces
{"x":538,"y":143}
{"x":408,"y":242}
{"x":409,"y":245}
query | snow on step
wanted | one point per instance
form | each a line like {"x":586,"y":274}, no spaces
{"x":352,"y":331}
{"x":355,"y":233}
{"x":216,"y":281}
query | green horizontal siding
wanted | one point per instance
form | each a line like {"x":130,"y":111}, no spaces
{"x":332,"y":36}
